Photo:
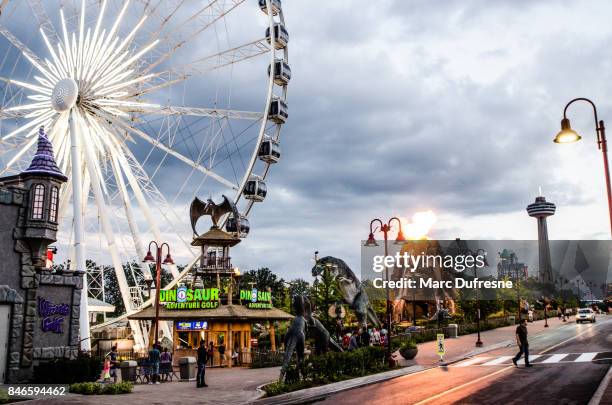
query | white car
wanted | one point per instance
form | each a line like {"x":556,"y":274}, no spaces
{"x":585,"y":315}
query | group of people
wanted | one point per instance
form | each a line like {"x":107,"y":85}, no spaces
{"x":364,"y":337}
{"x":159,"y":359}
{"x":563,"y":313}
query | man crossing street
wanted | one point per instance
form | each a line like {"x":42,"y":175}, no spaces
{"x":523,"y":344}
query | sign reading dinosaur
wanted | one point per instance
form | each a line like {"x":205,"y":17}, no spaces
{"x":256,"y":299}
{"x":186,"y":298}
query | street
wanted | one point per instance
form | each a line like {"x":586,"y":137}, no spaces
{"x":569,"y":363}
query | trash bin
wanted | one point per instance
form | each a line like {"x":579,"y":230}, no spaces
{"x":512,"y":319}
{"x":128,"y":370}
{"x":451,"y":330}
{"x":187,"y":368}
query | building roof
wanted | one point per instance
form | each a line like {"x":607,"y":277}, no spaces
{"x":223,"y":312}
{"x":95,"y":305}
{"x":44,"y":161}
{"x":215,"y":237}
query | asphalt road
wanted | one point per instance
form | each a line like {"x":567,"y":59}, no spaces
{"x":568,"y":367}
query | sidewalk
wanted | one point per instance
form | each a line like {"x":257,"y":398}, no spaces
{"x":465,"y":346}
{"x":225,"y":386}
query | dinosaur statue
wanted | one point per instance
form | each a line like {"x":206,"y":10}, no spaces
{"x":352,"y":291}
{"x":323,"y":341}
{"x":295,"y":336}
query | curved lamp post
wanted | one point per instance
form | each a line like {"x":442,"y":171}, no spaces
{"x":385,"y":228}
{"x":157,"y":259}
{"x":568,"y":135}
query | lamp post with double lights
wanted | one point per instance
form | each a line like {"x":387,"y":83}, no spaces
{"x":157,"y":259}
{"x":568,"y":135}
{"x":385,"y":228}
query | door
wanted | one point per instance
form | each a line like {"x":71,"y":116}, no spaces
{"x":5,"y":326}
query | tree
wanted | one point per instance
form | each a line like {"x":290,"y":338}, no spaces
{"x":262,"y":279}
{"x":299,"y":287}
{"x":325,"y":292}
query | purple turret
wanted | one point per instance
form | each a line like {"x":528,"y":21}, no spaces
{"x":43,"y":162}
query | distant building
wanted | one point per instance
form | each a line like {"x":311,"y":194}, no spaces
{"x":39,"y":310}
{"x":541,"y":209}
{"x":510,"y":267}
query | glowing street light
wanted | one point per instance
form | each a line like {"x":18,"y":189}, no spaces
{"x":568,"y":135}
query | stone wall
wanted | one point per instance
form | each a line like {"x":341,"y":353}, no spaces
{"x":22,"y":283}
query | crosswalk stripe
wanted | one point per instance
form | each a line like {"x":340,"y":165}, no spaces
{"x":585,"y":357}
{"x":555,"y":358}
{"x":532,"y":357}
{"x":472,"y":361}
{"x":498,"y":360}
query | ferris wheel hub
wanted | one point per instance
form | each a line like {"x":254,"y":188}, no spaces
{"x":64,"y":95}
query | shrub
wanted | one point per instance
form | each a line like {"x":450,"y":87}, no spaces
{"x":65,"y":371}
{"x":408,"y":349}
{"x":93,"y":388}
{"x":330,"y":367}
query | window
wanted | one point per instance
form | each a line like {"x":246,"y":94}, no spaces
{"x":39,"y":201}
{"x":54,"y":202}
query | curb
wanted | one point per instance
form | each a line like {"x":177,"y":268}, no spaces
{"x":299,"y":397}
{"x":601,"y":390}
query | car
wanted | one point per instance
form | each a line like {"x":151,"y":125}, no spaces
{"x":585,"y":315}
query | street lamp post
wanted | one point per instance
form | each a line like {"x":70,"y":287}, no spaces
{"x":385,"y":228}
{"x":568,"y":135}
{"x":157,"y":259}
{"x":478,"y":341}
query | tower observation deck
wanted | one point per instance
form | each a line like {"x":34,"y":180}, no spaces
{"x":541,"y":209}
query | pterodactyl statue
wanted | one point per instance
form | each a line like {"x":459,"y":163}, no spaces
{"x":198,"y":209}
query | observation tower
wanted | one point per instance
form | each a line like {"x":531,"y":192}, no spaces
{"x":541,"y":209}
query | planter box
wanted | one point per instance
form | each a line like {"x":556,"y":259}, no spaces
{"x":409,"y":354}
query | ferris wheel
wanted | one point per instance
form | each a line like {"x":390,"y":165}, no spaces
{"x":148,"y":103}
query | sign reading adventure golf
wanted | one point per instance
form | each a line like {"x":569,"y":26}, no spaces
{"x":256,"y":299}
{"x":186,"y":298}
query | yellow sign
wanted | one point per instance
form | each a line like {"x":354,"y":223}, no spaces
{"x":440,"y":346}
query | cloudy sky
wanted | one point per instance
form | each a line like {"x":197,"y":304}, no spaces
{"x":399,"y":107}
{"x":404,"y":106}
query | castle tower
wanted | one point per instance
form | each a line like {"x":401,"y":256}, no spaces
{"x":541,"y":209}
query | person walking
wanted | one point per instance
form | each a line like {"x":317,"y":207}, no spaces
{"x":166,"y":363}
{"x":523,"y":344}
{"x":114,"y":363}
{"x":106,"y":369}
{"x":211,"y":352}
{"x":154,"y":358}
{"x":376,"y":336}
{"x":222,"y":354}
{"x":354,"y":342}
{"x":202,"y":359}
{"x":365,"y":338}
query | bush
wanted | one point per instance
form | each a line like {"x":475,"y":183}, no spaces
{"x":92,"y":388}
{"x":64,"y":371}
{"x":330,"y":367}
{"x":408,"y":349}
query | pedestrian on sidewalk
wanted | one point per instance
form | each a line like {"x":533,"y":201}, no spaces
{"x":154,"y":358}
{"x":202,"y":359}
{"x":523,"y":344}
{"x":211,"y":352}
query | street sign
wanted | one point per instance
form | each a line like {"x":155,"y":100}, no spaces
{"x":440,"y":346}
